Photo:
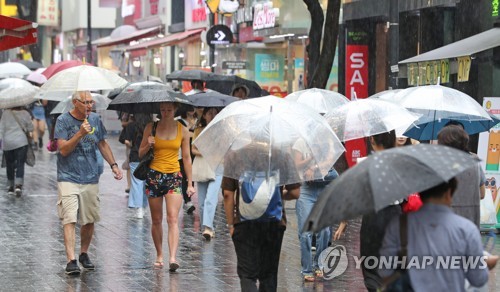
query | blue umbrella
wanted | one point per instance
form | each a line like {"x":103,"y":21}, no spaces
{"x":424,"y":131}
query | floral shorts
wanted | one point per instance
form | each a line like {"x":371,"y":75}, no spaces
{"x":159,"y":184}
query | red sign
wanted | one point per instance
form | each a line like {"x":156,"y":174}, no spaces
{"x":356,"y":86}
{"x":356,"y":71}
{"x":199,"y":14}
{"x":153,"y":6}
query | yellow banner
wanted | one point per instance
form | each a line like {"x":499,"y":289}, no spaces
{"x":445,"y":71}
{"x":463,"y":68}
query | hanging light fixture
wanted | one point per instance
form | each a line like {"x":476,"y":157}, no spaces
{"x":136,"y":63}
{"x":181,"y":54}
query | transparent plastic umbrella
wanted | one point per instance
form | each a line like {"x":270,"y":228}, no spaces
{"x":387,"y":95}
{"x":16,"y":92}
{"x":436,"y":102}
{"x":100,"y":103}
{"x":367,"y":117}
{"x":320,"y":100}
{"x":259,"y":134}
{"x":82,"y":78}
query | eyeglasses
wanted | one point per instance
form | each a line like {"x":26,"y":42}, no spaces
{"x":87,"y":102}
{"x":488,"y":183}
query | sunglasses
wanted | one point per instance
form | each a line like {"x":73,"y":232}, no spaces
{"x":490,"y":183}
{"x":87,"y":102}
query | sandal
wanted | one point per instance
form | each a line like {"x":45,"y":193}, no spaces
{"x":173,"y":267}
{"x":308,"y":278}
{"x":158,"y":265}
{"x":319,"y":273}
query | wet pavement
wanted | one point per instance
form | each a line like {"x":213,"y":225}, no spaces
{"x":33,"y":256}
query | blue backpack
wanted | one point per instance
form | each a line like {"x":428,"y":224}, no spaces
{"x":260,"y":197}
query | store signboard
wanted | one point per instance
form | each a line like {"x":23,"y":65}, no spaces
{"x":428,"y":73}
{"x":265,"y":16}
{"x":234,"y":65}
{"x":195,"y":14}
{"x":489,"y":154}
{"x":269,"y":72}
{"x":356,"y":86}
{"x":155,"y":7}
{"x":48,"y":12}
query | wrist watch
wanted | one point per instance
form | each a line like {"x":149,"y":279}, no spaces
{"x":113,"y":164}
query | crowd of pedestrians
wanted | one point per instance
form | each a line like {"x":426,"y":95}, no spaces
{"x":178,"y":171}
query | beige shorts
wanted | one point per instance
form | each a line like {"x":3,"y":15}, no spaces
{"x":76,"y":199}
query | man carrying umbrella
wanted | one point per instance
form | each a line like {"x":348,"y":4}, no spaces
{"x":79,"y":134}
{"x":433,"y":232}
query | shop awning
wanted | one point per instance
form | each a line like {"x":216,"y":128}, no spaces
{"x":109,"y":41}
{"x":168,"y":40}
{"x":16,"y":32}
{"x":466,"y":47}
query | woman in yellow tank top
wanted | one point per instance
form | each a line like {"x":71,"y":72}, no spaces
{"x":164,"y":179}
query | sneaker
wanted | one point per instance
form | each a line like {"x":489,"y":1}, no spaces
{"x":19,"y":190}
{"x":10,"y":191}
{"x":190,"y":208}
{"x":140,"y":213}
{"x":72,"y":268}
{"x":208,"y":234}
{"x":85,"y":261}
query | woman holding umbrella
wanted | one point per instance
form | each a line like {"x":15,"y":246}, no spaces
{"x":208,"y":184}
{"x":165,"y":179}
{"x":14,"y":124}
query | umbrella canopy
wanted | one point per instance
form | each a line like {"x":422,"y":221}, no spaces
{"x":100,"y":103}
{"x":16,"y":92}
{"x":430,"y":130}
{"x":259,"y":135}
{"x":320,"y":100}
{"x":13,"y":69}
{"x":13,"y":82}
{"x":145,"y":97}
{"x":225,"y":83}
{"x":37,"y":77}
{"x":82,"y":78}
{"x":436,"y":102}
{"x":32,"y":65}
{"x":387,"y":95}
{"x":189,"y":75}
{"x":384,"y":177}
{"x":368,"y":117}
{"x":211,"y":99}
{"x":59,"y":66}
{"x":16,"y":32}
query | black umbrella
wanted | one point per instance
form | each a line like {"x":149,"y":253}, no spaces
{"x":211,"y":99}
{"x":189,"y":75}
{"x":383,"y":178}
{"x":144,"y":97}
{"x":225,"y":83}
{"x":32,"y":65}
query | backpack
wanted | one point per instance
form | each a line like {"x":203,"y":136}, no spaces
{"x":260,"y":197}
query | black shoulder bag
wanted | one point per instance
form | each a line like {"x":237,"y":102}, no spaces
{"x":141,"y":172}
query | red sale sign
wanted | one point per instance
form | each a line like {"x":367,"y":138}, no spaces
{"x":356,"y":78}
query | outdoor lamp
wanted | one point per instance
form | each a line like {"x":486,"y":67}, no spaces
{"x":136,"y":63}
{"x":157,"y":60}
{"x":181,"y":54}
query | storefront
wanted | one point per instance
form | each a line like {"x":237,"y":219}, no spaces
{"x":272,"y":38}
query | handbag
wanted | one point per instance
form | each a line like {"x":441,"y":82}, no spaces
{"x":399,"y":281}
{"x":142,"y":170}
{"x":30,"y":154}
{"x":202,"y":172}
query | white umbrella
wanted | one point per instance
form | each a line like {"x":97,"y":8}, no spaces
{"x":13,"y":82}
{"x":100,"y":103}
{"x":259,"y":134}
{"x":13,"y":69}
{"x":18,"y":93}
{"x":53,"y":95}
{"x":83,"y":78}
{"x":367,"y":117}
{"x":320,"y":100}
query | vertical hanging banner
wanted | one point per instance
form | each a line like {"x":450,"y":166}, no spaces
{"x":356,"y":84}
{"x":48,"y":12}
